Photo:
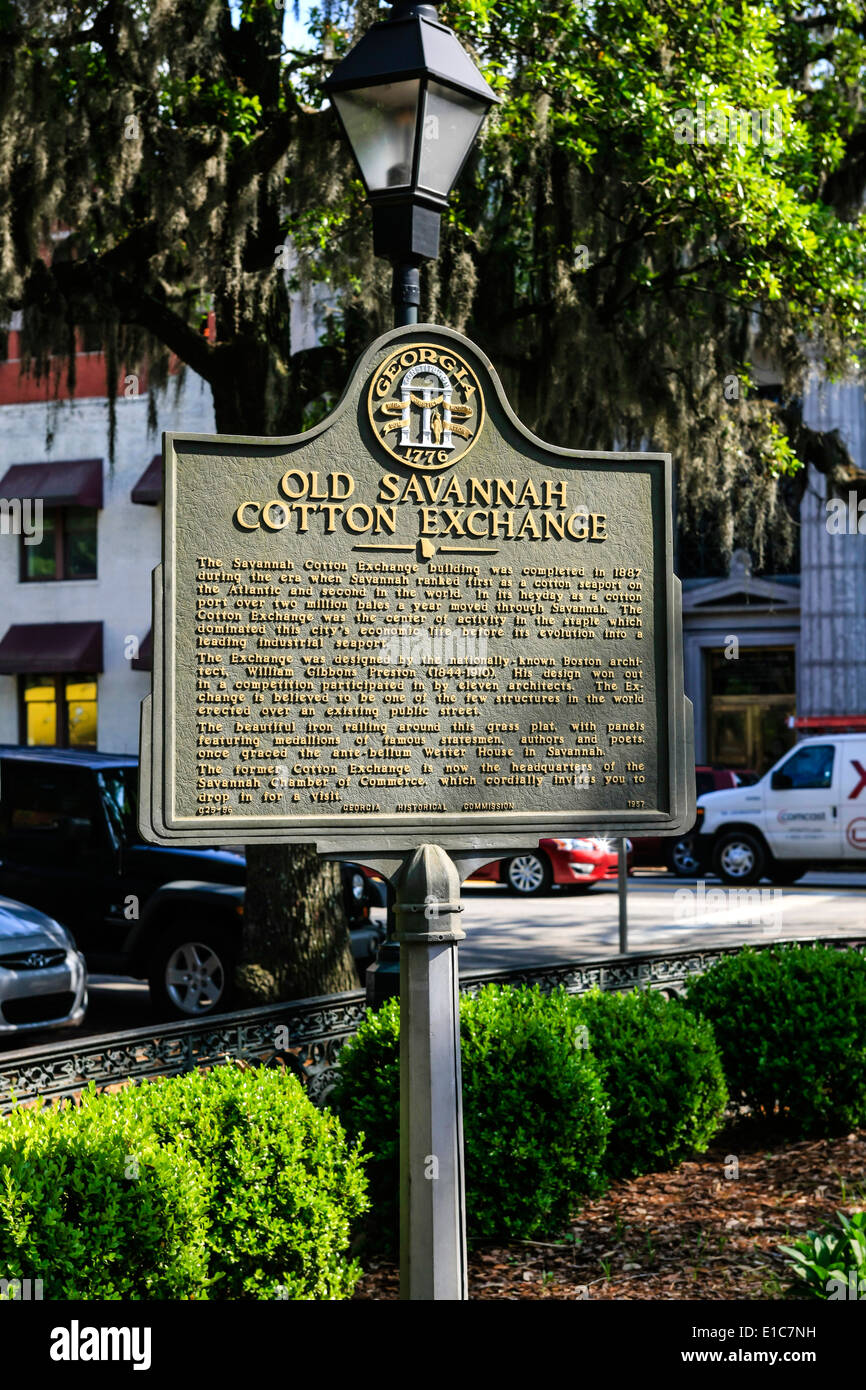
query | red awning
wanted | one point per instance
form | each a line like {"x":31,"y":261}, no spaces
{"x":148,"y":489}
{"x":36,"y":649}
{"x":144,"y":660}
{"x":830,"y":723}
{"x":67,"y":483}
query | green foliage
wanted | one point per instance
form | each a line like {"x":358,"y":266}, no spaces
{"x":537,"y":1123}
{"x":73,"y":1215}
{"x":622,"y":257}
{"x":662,"y":1072}
{"x":226,"y":1184}
{"x":790,"y":1026}
{"x":825,"y":1262}
{"x":283,"y":1185}
{"x":533,"y":1110}
{"x":624,"y":202}
{"x":366,"y":1097}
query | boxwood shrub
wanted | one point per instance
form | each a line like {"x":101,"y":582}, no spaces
{"x":791,"y":1025}
{"x":534,"y":1113}
{"x":662,"y":1072}
{"x":223,"y":1184}
{"x":283,"y":1185}
{"x":95,"y":1208}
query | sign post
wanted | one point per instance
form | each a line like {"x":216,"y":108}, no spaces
{"x":432,"y":1204}
{"x":421,"y":638}
{"x":622,"y":892}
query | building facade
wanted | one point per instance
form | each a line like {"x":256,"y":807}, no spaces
{"x":76,"y":610}
{"x":741,"y":654}
{"x":832,"y":672}
{"x":770,"y":657}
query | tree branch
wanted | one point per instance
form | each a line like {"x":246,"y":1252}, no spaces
{"x":134,"y":305}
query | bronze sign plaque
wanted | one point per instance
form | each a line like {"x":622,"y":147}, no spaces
{"x":415,"y":622}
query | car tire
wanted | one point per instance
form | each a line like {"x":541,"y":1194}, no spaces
{"x":740,"y":858}
{"x":203,"y":953}
{"x":681,"y":860}
{"x":528,"y":875}
{"x":783,"y":871}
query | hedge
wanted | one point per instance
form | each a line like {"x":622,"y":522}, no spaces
{"x":791,"y":1026}
{"x":534,"y":1112}
{"x":223,"y":1184}
{"x":662,"y":1072}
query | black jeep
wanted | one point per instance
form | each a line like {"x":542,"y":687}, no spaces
{"x":70,"y":847}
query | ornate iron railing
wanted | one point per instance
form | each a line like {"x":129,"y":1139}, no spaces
{"x":314,"y":1029}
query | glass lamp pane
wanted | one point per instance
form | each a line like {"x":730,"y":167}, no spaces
{"x":451,"y":123}
{"x":380,"y":123}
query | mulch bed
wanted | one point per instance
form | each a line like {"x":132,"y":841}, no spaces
{"x":691,"y":1233}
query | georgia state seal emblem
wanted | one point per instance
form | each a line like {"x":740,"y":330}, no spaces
{"x":426,"y":406}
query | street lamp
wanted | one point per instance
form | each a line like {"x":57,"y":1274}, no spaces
{"x":411,"y":102}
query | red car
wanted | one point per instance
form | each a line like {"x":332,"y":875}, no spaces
{"x":573,"y":863}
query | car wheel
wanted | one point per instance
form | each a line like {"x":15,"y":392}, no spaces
{"x":682,"y":860}
{"x":740,"y":858}
{"x":192,"y":973}
{"x":527,"y":875}
{"x":782,"y":872}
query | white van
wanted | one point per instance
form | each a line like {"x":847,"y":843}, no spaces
{"x":809,"y":809}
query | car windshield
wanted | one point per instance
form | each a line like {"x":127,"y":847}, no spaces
{"x":119,"y":798}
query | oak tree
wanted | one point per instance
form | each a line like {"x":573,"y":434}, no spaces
{"x":669,"y":199}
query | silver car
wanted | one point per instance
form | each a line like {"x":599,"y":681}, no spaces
{"x":43,"y":978}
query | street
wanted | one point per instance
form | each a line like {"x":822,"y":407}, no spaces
{"x":507,"y":933}
{"x":664,"y":914}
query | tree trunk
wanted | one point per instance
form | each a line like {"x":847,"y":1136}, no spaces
{"x":296,"y":938}
{"x":295,"y":941}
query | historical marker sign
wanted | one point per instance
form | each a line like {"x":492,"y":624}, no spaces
{"x":415,"y":622}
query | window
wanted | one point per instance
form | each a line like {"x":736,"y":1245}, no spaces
{"x":47,"y":808}
{"x":58,"y":711}
{"x":807,"y":769}
{"x":119,"y":797}
{"x":749,"y":701}
{"x":67,"y":549}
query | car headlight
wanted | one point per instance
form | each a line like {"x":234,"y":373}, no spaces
{"x":357,"y":886}
{"x":587,"y":846}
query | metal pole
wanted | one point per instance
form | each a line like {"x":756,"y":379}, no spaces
{"x":622,"y":886}
{"x":432,"y":1193}
{"x":407,"y":294}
